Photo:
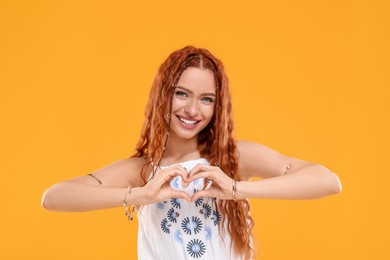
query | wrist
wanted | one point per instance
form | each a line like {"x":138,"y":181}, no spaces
{"x":240,"y":190}
{"x":234,"y":189}
{"x":136,"y":198}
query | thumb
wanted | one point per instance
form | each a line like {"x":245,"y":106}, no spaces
{"x":181,"y":194}
{"x":201,"y":193}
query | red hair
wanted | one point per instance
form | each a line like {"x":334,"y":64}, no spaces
{"x":215,"y":142}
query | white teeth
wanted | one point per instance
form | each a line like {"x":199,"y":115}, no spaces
{"x":189,"y":122}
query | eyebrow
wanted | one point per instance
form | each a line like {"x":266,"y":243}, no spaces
{"x":203,"y":94}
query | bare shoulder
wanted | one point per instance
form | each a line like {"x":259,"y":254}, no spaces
{"x":257,"y":160}
{"x":122,"y":173}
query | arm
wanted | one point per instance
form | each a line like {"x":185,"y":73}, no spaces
{"x":282,"y":177}
{"x":85,"y":193}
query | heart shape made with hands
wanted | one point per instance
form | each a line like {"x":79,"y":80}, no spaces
{"x":190,"y":188}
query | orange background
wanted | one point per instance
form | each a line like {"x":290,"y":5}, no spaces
{"x":309,"y":79}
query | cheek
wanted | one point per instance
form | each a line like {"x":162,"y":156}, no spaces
{"x":177,"y":104}
{"x":209,"y":112}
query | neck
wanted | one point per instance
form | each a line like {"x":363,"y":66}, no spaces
{"x":178,"y":149}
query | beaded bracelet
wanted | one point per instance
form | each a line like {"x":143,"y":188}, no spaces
{"x":128,"y":214}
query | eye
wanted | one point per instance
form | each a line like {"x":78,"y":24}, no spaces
{"x":180,"y":93}
{"x":208,"y":99}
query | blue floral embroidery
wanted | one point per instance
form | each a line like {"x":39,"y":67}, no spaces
{"x":184,"y":224}
{"x":198,"y":201}
{"x":175,"y":183}
{"x":172,"y":215}
{"x":160,"y":205}
{"x":206,"y":210}
{"x":197,"y":224}
{"x":195,"y":181}
{"x":196,"y":248}
{"x":165,"y":226}
{"x":178,"y":237}
{"x":176,"y":203}
{"x":194,"y":225}
{"x":216,"y":217}
{"x":208,"y":232}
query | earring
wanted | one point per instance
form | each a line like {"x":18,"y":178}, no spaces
{"x":167,"y":115}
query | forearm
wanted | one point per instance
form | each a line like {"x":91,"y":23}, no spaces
{"x":74,"y":197}
{"x":310,"y":182}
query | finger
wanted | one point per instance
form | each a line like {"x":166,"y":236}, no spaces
{"x":178,"y":167}
{"x":203,"y":174}
{"x":202,"y":194}
{"x":177,"y":172}
{"x":180,"y":194}
{"x":181,"y":169}
{"x":199,"y":168}
{"x":165,"y":177}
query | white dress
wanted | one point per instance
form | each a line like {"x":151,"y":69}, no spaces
{"x":178,"y":229}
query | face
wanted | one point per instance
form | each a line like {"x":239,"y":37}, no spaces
{"x":193,"y":102}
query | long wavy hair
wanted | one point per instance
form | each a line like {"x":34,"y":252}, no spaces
{"x":215,"y":142}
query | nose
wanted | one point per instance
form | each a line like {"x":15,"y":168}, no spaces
{"x":191,"y":109}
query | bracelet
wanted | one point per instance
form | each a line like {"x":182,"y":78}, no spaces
{"x":128,"y":214}
{"x":96,"y":178}
{"x":234,"y":190}
{"x":287,"y":168}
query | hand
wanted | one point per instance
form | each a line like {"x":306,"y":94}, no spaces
{"x":221,"y":186}
{"x":159,"y":189}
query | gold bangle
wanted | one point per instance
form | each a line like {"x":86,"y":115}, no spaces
{"x":234,"y":189}
{"x":128,"y":214}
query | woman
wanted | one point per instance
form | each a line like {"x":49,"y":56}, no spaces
{"x":189,"y":178}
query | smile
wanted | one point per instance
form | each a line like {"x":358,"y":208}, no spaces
{"x":188,"y":122}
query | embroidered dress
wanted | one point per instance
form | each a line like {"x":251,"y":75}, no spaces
{"x":178,"y":229}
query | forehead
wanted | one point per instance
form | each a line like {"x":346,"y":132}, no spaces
{"x":197,"y":80}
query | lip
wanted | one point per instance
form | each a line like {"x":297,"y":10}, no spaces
{"x":187,"y":126}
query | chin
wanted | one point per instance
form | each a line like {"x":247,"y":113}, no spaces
{"x":185,"y":136}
